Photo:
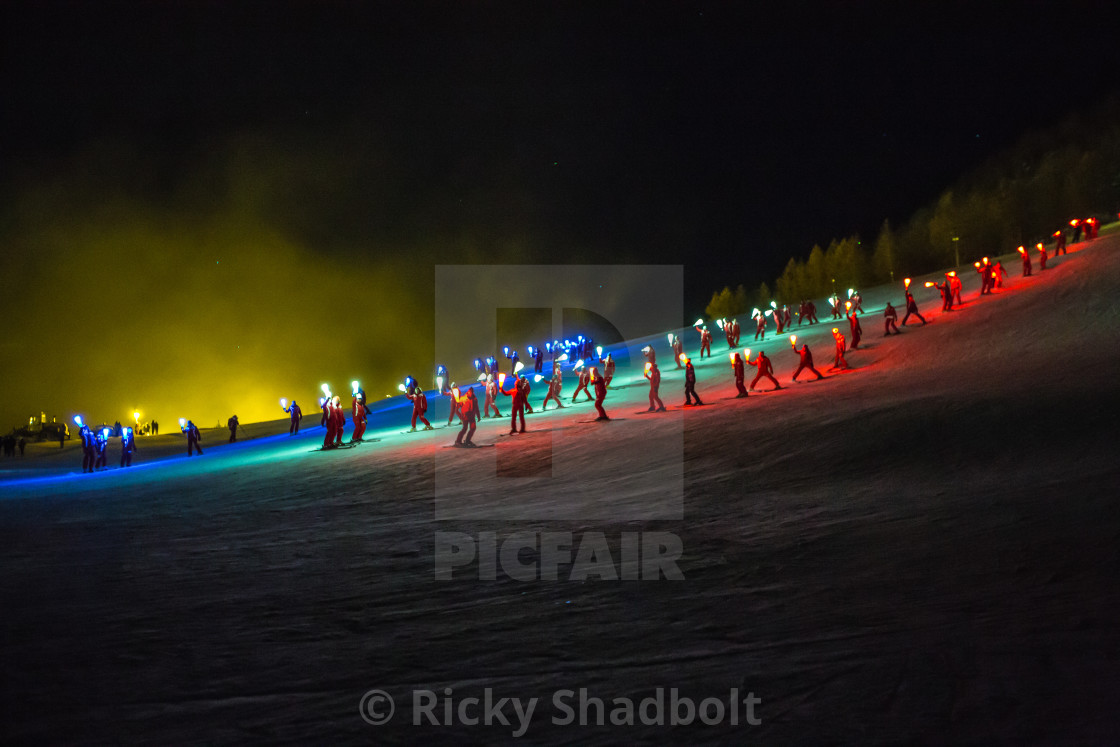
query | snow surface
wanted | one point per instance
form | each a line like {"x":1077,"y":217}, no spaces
{"x":921,"y":549}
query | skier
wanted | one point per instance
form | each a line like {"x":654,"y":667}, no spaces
{"x":735,"y":333}
{"x":608,"y":369}
{"x":853,"y":323}
{"x":491,"y":397}
{"x":841,"y":362}
{"x":787,"y":317}
{"x":102,"y":449}
{"x":890,"y":319}
{"x":128,"y":447}
{"x":232,"y":425}
{"x":419,"y":407}
{"x":985,"y":277}
{"x":653,"y":373}
{"x":339,"y":417}
{"x":954,"y":288}
{"x":1026,"y":261}
{"x":946,"y":295}
{"x":358,"y":410}
{"x":765,"y":368}
{"x":538,"y":361}
{"x":811,"y":311}
{"x":1041,"y":257}
{"x":834,"y":300}
{"x":518,"y":407}
{"x":523,"y":384}
{"x":760,"y":325}
{"x":194,"y":438}
{"x":857,"y":302}
{"x":705,"y":342}
{"x":690,"y":384}
{"x":998,"y":273}
{"x":738,"y":369}
{"x":89,"y":448}
{"x":600,"y":383}
{"x":554,"y":386}
{"x":468,"y":411}
{"x":297,"y":415}
{"x":911,"y":309}
{"x":331,"y":424}
{"x":584,"y":380}
{"x":678,"y":351}
{"x":806,"y":361}
{"x":1060,"y":244}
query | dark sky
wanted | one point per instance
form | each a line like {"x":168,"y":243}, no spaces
{"x":724,"y":136}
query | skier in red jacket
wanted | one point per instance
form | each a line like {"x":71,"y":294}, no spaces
{"x":739,"y":370}
{"x":765,"y":368}
{"x":841,"y":362}
{"x":339,"y":420}
{"x":419,"y":406}
{"x":554,"y":386}
{"x":853,"y":324}
{"x":705,"y":342}
{"x":1026,"y":261}
{"x":520,"y":395}
{"x":600,"y":383}
{"x":690,"y":384}
{"x":760,"y":325}
{"x":890,"y":319}
{"x":678,"y":351}
{"x":358,"y":410}
{"x":584,"y":380}
{"x":653,"y":374}
{"x":1041,"y":257}
{"x":806,"y":360}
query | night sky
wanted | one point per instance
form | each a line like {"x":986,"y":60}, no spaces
{"x":331,"y":153}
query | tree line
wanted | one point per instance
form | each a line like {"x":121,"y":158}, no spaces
{"x":1019,"y":196}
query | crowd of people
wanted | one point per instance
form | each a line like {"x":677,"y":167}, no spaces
{"x":595,"y":372}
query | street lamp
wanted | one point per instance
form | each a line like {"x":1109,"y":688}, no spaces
{"x":957,"y":250}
